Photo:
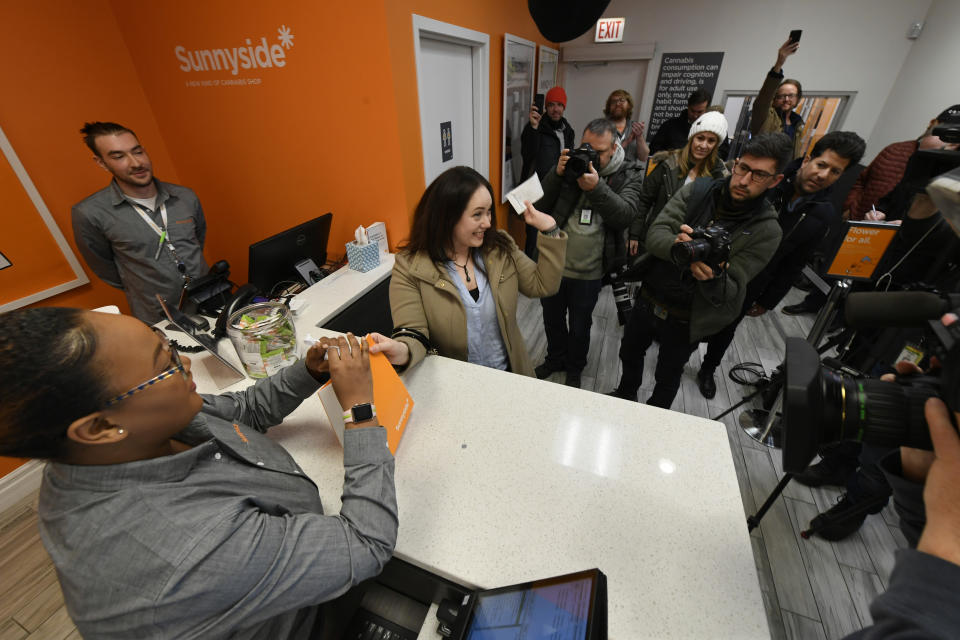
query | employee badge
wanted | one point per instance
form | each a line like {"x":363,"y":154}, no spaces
{"x":586,"y":216}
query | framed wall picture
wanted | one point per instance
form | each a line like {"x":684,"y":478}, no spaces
{"x":37,"y":261}
{"x":548,"y":69}
{"x":519,"y":60}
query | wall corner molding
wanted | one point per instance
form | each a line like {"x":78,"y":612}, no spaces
{"x":20,"y":483}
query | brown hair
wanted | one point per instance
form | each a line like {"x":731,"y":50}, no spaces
{"x":795,"y":83}
{"x":703,"y":168}
{"x":441,"y":207}
{"x":616,"y":94}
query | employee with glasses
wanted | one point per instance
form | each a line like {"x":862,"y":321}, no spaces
{"x":689,"y":294}
{"x":170,"y":514}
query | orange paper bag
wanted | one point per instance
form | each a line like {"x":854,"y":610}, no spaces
{"x":390,"y":397}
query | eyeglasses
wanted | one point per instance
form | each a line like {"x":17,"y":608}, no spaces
{"x":619,"y":99}
{"x":178,"y":367}
{"x":781,"y":96}
{"x":741,"y":169}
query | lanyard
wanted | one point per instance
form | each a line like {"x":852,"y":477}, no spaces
{"x":161,"y":232}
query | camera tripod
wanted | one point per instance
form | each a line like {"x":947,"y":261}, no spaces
{"x":770,"y":432}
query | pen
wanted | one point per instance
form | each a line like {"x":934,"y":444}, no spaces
{"x":163,"y":236}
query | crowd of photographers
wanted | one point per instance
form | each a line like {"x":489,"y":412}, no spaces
{"x":713,"y":238}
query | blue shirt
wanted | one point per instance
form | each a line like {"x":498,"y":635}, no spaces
{"x":484,"y":340}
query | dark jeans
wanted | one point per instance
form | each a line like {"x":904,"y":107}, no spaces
{"x":567,"y":318}
{"x":907,"y":498}
{"x":718,"y":343}
{"x":869,"y":482}
{"x":675,"y":349}
{"x":865,"y":479}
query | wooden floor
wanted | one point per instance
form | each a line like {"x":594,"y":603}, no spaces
{"x":811,"y":588}
{"x":31,"y":605}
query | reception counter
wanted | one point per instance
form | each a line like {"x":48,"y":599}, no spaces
{"x":503,"y":479}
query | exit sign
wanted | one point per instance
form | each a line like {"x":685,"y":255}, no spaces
{"x":609,"y":30}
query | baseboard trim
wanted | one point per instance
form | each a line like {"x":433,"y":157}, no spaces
{"x":20,"y":483}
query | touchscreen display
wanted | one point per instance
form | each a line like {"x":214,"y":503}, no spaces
{"x":548,"y":609}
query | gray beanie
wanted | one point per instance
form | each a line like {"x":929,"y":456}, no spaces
{"x":711,"y":122}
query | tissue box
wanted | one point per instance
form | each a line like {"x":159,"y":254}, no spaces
{"x":363,"y":257}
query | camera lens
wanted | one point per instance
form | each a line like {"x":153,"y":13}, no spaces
{"x":822,"y":405}
{"x":887,"y":414}
{"x":685,"y":253}
{"x":623,"y":300}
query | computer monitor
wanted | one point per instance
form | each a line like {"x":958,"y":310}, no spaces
{"x":272,"y":260}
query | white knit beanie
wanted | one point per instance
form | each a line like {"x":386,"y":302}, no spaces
{"x":712,"y":122}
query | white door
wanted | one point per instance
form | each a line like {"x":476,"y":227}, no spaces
{"x":446,"y":96}
{"x":589,"y":83}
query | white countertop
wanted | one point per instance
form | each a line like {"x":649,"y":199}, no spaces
{"x":334,"y":293}
{"x":503,"y":479}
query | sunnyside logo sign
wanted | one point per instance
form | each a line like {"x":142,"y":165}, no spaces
{"x":250,"y":55}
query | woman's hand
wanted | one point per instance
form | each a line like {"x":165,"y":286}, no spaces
{"x":317,"y":365}
{"x":397,"y":352}
{"x":538,"y":219}
{"x":349,"y":360}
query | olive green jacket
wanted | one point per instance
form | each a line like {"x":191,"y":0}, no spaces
{"x":423,"y":297}
{"x":717,"y":302}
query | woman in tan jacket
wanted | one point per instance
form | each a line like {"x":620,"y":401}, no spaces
{"x":456,"y":280}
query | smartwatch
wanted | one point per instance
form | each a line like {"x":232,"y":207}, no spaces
{"x":360,"y":413}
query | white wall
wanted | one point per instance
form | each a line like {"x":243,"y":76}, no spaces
{"x":848,"y":45}
{"x":927,"y":83}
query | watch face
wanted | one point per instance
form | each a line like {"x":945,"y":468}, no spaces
{"x":362,"y":412}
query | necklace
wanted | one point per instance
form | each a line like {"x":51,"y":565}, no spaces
{"x":463,"y":266}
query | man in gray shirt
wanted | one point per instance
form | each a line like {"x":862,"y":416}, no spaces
{"x":137,"y":233}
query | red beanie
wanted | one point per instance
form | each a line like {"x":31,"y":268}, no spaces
{"x":557,"y":94}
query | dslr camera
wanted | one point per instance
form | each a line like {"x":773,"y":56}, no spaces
{"x":710,"y":245}
{"x":578,"y":162}
{"x":624,"y":272}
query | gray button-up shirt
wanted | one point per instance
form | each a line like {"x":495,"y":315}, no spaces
{"x":225,"y":540}
{"x":121,"y":248}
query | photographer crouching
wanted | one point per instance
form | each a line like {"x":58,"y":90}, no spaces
{"x":710,"y":240}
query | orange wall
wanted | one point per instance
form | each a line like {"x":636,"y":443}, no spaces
{"x":316,"y":135}
{"x":494,"y":17}
{"x":65,"y":63}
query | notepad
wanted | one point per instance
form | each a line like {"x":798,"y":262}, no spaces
{"x":530,"y":189}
